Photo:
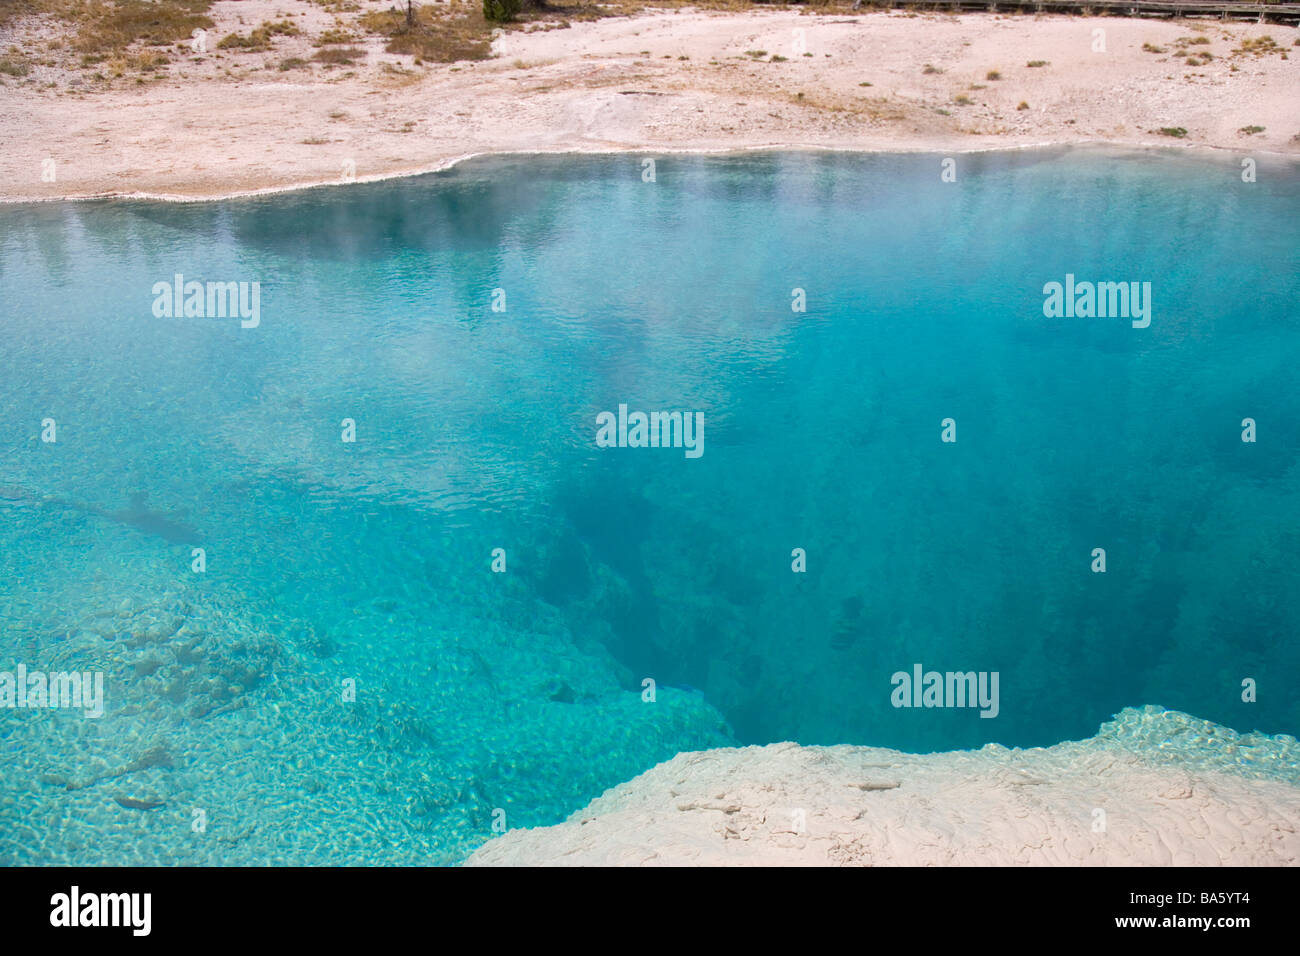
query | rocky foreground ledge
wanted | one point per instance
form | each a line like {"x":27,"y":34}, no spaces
{"x":1153,"y":787}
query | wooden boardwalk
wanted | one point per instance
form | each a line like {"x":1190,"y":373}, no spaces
{"x":1286,"y":13}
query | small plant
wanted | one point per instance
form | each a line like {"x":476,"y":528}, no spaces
{"x":13,"y":67}
{"x":962,"y":100}
{"x":864,"y":84}
{"x":334,"y":37}
{"x":1250,"y":130}
{"x":1036,"y":63}
{"x":1152,"y":48}
{"x":993,"y":75}
{"x":1177,"y":132}
{"x":259,"y":39}
{"x":756,"y":54}
{"x":293,"y":63}
{"x":148,"y":61}
{"x":233,"y":41}
{"x":338,"y":55}
{"x":1023,"y":105}
{"x":931,"y":68}
{"x":1259,"y":46}
{"x":777,"y":58}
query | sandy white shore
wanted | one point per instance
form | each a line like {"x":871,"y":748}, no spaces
{"x":1153,"y":788}
{"x":230,"y":122}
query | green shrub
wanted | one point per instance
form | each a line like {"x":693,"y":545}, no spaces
{"x":501,"y":11}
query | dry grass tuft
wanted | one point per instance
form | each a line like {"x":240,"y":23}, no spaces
{"x":462,"y":33}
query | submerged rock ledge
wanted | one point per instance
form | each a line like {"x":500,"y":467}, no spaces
{"x":1153,"y":787}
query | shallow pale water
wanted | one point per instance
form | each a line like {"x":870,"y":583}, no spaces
{"x":476,"y":430}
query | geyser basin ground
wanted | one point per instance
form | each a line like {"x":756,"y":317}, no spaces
{"x":472,"y":326}
{"x":1152,"y":788}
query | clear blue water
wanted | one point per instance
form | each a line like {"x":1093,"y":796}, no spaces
{"x":476,"y":430}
